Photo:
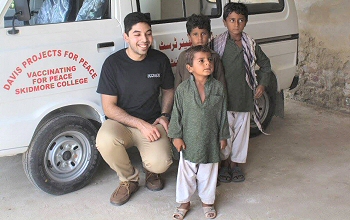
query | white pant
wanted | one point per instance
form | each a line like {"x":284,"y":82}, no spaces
{"x":190,"y":175}
{"x":237,"y":145}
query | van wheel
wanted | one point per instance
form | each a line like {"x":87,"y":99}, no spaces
{"x":266,"y":105}
{"x":62,"y":156}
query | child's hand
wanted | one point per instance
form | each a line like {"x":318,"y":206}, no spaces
{"x":223,"y":144}
{"x":259,"y":91}
{"x":179,"y":144}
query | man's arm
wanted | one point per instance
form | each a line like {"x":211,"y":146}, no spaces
{"x":112,"y":111}
{"x":167,"y":100}
{"x":167,"y":105}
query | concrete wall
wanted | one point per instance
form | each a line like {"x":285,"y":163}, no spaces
{"x":324,"y":53}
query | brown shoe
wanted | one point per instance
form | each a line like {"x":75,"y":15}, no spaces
{"x":153,"y":181}
{"x":123,"y":193}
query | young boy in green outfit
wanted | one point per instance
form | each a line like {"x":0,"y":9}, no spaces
{"x":199,"y":129}
{"x":239,"y":54}
{"x":199,"y":32}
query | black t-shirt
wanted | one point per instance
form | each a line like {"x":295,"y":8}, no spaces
{"x":137,"y":83}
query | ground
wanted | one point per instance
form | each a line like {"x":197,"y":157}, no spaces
{"x":299,"y":171}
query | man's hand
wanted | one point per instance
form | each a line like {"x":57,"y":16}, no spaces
{"x":179,"y":144}
{"x":150,"y":131}
{"x":223,"y":144}
{"x":163,"y":121}
{"x":259,"y":91}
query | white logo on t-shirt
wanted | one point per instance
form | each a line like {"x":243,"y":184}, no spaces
{"x":153,"y":75}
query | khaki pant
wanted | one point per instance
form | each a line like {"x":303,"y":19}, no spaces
{"x":114,"y":138}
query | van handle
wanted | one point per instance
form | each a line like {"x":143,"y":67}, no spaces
{"x":105,"y":44}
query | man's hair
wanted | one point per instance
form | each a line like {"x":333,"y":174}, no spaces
{"x":198,"y":21}
{"x":238,"y":8}
{"x":134,"y":18}
{"x":195,"y":49}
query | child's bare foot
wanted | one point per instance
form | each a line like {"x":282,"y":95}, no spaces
{"x":181,"y":211}
{"x":185,"y":205}
{"x":209,"y":210}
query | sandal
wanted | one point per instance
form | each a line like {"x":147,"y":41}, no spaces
{"x":179,"y":214}
{"x":209,"y":212}
{"x":237,"y":174}
{"x":224,"y":175}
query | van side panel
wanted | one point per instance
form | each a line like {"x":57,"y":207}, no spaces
{"x":283,"y":59}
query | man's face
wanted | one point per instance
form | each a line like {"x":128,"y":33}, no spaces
{"x":139,"y":39}
{"x":202,"y":64}
{"x":235,"y":23}
{"x":199,"y":36}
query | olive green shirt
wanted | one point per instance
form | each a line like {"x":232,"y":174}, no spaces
{"x":181,"y":72}
{"x":200,"y":125}
{"x":240,"y":97}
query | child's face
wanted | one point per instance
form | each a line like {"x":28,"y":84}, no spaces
{"x":202,"y":65}
{"x":199,"y":36}
{"x":235,"y":23}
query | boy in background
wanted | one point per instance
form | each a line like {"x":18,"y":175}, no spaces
{"x":239,"y":54}
{"x":199,"y":32}
{"x":199,"y":129}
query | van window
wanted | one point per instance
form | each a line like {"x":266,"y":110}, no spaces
{"x":262,"y":6}
{"x":59,"y":11}
{"x":164,"y":11}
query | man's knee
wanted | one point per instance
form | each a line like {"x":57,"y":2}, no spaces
{"x":110,"y":135}
{"x":112,"y":148}
{"x":106,"y":139}
{"x":158,"y":164}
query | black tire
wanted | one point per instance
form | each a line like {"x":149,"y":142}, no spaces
{"x":62,"y":156}
{"x":267,"y":104}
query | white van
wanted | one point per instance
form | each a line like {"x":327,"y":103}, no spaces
{"x":51,"y":53}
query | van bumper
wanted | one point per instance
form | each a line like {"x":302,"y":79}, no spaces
{"x":294,"y":82}
{"x":13,"y":151}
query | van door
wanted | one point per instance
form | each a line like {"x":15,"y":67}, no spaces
{"x":50,"y":57}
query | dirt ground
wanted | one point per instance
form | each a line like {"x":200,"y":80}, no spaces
{"x":300,"y":171}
